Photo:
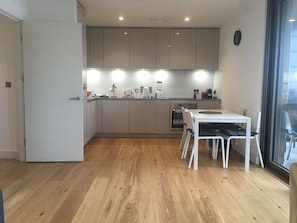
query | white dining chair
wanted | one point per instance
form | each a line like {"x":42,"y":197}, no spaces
{"x":240,"y":133}
{"x":205,"y":132}
{"x":183,"y":138}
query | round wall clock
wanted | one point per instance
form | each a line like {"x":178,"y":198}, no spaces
{"x":237,"y":37}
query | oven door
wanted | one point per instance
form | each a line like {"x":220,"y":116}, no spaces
{"x":176,"y":118}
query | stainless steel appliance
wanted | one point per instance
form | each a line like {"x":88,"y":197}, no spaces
{"x":176,"y":116}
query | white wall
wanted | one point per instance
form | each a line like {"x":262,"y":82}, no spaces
{"x":8,"y":96}
{"x":242,"y":66}
{"x":57,"y":10}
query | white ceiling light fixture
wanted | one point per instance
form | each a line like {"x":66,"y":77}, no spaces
{"x":187,"y":19}
{"x":121,"y":18}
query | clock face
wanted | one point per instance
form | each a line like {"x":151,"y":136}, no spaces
{"x":237,"y":37}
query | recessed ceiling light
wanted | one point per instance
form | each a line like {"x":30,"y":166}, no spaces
{"x":121,"y":18}
{"x":292,"y":20}
{"x":177,"y":33}
{"x":187,"y":19}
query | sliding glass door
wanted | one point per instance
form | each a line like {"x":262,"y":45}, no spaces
{"x":280,"y":86}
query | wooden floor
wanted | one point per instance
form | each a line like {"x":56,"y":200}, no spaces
{"x":141,"y":180}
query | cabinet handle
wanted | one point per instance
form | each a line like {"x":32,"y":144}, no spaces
{"x":75,"y":98}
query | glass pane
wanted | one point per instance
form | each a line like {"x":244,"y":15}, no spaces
{"x":285,"y":135}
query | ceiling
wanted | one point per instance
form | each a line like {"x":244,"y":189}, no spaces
{"x":162,"y":13}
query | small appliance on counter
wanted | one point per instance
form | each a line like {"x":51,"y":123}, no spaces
{"x":209,"y":93}
{"x":196,"y":94}
{"x":146,"y":92}
{"x":128,"y":93}
{"x":159,"y":90}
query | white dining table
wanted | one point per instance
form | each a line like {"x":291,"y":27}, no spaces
{"x":220,"y":116}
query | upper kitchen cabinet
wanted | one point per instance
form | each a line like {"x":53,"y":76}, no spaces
{"x":116,"y":47}
{"x":94,"y":47}
{"x":182,"y":48}
{"x":142,"y":48}
{"x":162,"y":54}
{"x":207,"y":50}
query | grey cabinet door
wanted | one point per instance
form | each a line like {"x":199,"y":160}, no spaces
{"x":142,"y":48}
{"x":114,"y":116}
{"x":116,"y":47}
{"x":182,"y":48}
{"x":98,"y":116}
{"x":207,"y":49}
{"x":94,"y":47}
{"x":162,"y":116}
{"x":163,"y":44}
{"x":209,"y":104}
{"x":142,"y":116}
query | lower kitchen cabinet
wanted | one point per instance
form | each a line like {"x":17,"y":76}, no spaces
{"x":142,"y":116}
{"x":98,"y":116}
{"x":162,"y":116}
{"x":209,"y":104}
{"x":114,"y":118}
{"x":90,"y":116}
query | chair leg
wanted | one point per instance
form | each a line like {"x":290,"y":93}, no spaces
{"x":223,"y":153}
{"x":186,"y":145}
{"x":191,"y":158}
{"x":182,"y":141}
{"x":259,"y":151}
{"x":215,"y":146}
{"x":227,"y":153}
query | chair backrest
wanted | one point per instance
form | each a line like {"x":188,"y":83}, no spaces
{"x":255,"y":119}
{"x":188,"y":117}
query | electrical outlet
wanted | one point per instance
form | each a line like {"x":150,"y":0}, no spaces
{"x":8,"y":84}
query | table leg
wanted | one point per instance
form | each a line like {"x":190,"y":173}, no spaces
{"x":247,"y":145}
{"x":196,"y":144}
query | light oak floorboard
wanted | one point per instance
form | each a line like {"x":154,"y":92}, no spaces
{"x":141,"y":180}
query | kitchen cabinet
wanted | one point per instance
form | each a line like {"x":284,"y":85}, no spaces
{"x":162,"y":116}
{"x":209,"y":104}
{"x":116,"y":48}
{"x":162,"y":48}
{"x":207,"y":49}
{"x":94,"y":47}
{"x":142,"y":116}
{"x":142,"y":48}
{"x":168,"y":48}
{"x":114,"y":116}
{"x":90,"y":116}
{"x":182,"y":48}
{"x":98,"y":116}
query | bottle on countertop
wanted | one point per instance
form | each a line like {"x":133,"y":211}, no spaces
{"x":197,"y":94}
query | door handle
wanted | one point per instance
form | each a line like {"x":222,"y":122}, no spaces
{"x":75,"y":98}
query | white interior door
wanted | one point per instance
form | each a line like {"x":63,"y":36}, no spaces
{"x":52,"y":53}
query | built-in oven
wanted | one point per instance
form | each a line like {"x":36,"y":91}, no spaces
{"x":176,"y":116}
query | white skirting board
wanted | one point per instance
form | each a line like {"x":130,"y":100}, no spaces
{"x":8,"y":154}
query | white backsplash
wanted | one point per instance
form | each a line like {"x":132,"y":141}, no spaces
{"x":176,"y":83}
